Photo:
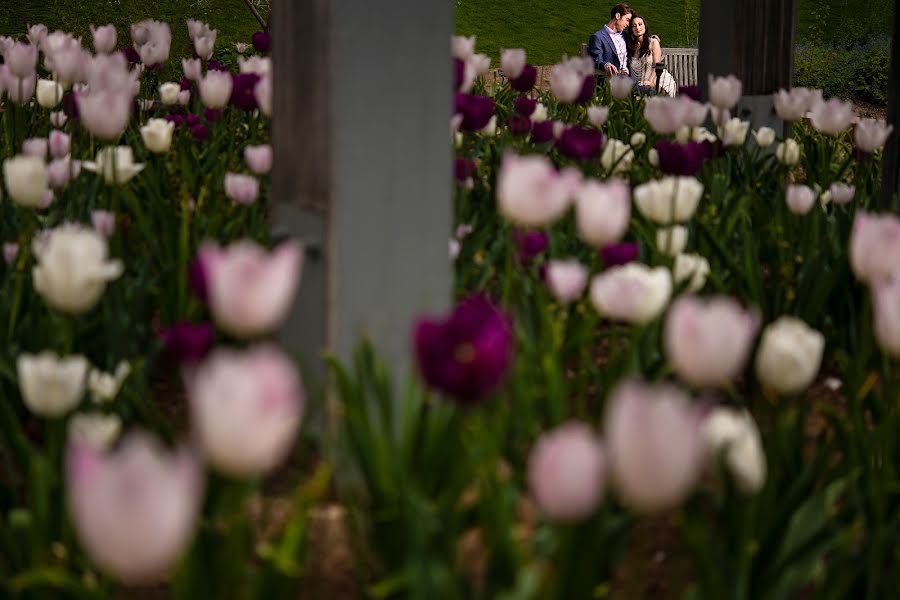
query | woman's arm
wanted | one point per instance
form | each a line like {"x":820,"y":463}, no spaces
{"x":655,"y":49}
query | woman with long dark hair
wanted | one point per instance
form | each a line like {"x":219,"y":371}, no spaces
{"x":644,"y":52}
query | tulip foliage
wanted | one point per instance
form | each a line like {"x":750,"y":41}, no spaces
{"x":673,"y":335}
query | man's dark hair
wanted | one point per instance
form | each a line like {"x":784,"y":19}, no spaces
{"x":620,"y":9}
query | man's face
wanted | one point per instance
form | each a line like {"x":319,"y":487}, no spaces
{"x":622,"y":22}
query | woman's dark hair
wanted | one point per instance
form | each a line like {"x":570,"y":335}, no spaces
{"x":631,"y":41}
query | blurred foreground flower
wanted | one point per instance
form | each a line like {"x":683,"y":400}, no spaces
{"x":246,"y":409}
{"x":96,"y":430}
{"x":531,"y":192}
{"x":602,"y":211}
{"x":653,"y":443}
{"x":668,"y":200}
{"x":26,"y":180}
{"x":73,"y":268}
{"x":115,"y":163}
{"x":466,"y":354}
{"x":634,"y":293}
{"x":733,"y":436}
{"x":243,"y":189}
{"x":188,"y":342}
{"x":135,"y":509}
{"x":566,"y":279}
{"x":874,"y":247}
{"x":567,"y":472}
{"x":104,"y":387}
{"x":51,"y":385}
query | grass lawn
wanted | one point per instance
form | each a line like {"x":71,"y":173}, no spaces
{"x":547,"y":29}
{"x":231,"y":18}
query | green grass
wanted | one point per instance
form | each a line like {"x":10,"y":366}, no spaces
{"x":231,"y":18}
{"x":547,"y":29}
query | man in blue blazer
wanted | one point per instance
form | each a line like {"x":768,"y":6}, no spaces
{"x":607,"y":45}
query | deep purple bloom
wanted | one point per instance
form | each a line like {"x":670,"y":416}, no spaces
{"x":188,"y":342}
{"x":681,"y":159}
{"x":70,"y":106}
{"x":588,"y":86}
{"x":262,"y":41}
{"x":467,"y":354}
{"x":192,"y":120}
{"x":519,"y":125}
{"x":581,"y":143}
{"x":463,"y":168}
{"x":131,"y":55}
{"x":242,"y":94}
{"x":619,"y":254}
{"x":531,"y":244}
{"x":476,"y":111}
{"x":526,"y":79}
{"x":215,"y":65}
{"x":691,"y":91}
{"x":524,"y":106}
{"x":542,"y":132}
{"x":186,"y":83}
{"x":177,"y":119}
{"x":200,"y":132}
{"x":212,"y":114}
{"x":459,"y":70}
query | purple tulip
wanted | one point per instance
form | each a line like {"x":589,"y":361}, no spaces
{"x":215,"y":65}
{"x":212,"y":114}
{"x":587,"y":90}
{"x":242,"y":91}
{"x":524,"y":82}
{"x":463,"y":168}
{"x":70,"y":105}
{"x":681,"y":159}
{"x":542,"y":132}
{"x":691,"y":91}
{"x":262,"y":42}
{"x":459,"y":70}
{"x":531,"y":244}
{"x":524,"y":106}
{"x":476,"y":111}
{"x":581,"y":143}
{"x":619,"y":254}
{"x":177,"y":119}
{"x":185,"y":83}
{"x":200,"y":132}
{"x":519,"y":125}
{"x":188,"y":342}
{"x":192,"y":120}
{"x":467,"y":354}
{"x":131,"y":55}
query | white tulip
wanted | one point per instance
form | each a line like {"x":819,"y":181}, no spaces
{"x":764,"y":137}
{"x":95,"y":429}
{"x":788,"y":152}
{"x":168,"y":93}
{"x":105,"y":386}
{"x":668,"y":200}
{"x":49,"y":93}
{"x":691,"y":267}
{"x":789,"y":355}
{"x":115,"y":163}
{"x":634,"y":293}
{"x":215,"y":89}
{"x":72,"y":268}
{"x":51,"y":386}
{"x":602,"y":211}
{"x":638,"y":138}
{"x":26,"y":180}
{"x":724,"y":92}
{"x":617,"y":156}
{"x":157,"y":135}
{"x":672,"y":240}
{"x":734,"y":132}
{"x":734,"y":436}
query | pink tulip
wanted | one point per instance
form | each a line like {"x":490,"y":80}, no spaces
{"x":707,"y":342}
{"x":21,"y":59}
{"x":566,"y":472}
{"x":666,"y":115}
{"x":259,"y":158}
{"x":46,"y":201}
{"x":110,"y":73}
{"x":204,"y":42}
{"x":724,"y":92}
{"x":184,"y":97}
{"x":871,"y":134}
{"x":597,"y":115}
{"x":654,"y":445}
{"x":36,"y":147}
{"x":59,"y":143}
{"x":841,"y":193}
{"x":10,"y":252}
{"x":241,"y":47}
{"x":105,"y":114}
{"x":566,"y":279}
{"x":104,"y":38}
{"x":792,"y":105}
{"x":215,"y":89}
{"x":71,"y":63}
{"x":531,"y":192}
{"x":104,"y":222}
{"x":191,"y":68}
{"x":874,"y":246}
{"x":263,"y":94}
{"x":243,"y":189}
{"x":800,"y":198}
{"x":36,"y":34}
{"x":512,"y":61}
{"x":135,"y":509}
{"x":832,"y":117}
{"x":246,"y":409}
{"x":152,"y":40}
{"x":250,"y":291}
{"x":261,"y":65}
{"x":886,"y":304}
{"x":58,"y":118}
{"x":603,"y":211}
{"x":19,"y":91}
{"x":62,"y":170}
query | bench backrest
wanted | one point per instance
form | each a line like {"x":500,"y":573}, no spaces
{"x":681,"y":63}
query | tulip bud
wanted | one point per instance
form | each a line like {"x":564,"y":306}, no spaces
{"x":566,"y":279}
{"x":637,"y":139}
{"x":103,"y":222}
{"x":259,"y":158}
{"x":841,"y":193}
{"x":59,"y":143}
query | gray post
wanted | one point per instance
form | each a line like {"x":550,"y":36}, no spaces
{"x":890,"y":182}
{"x":753,"y":40}
{"x":363,"y":168}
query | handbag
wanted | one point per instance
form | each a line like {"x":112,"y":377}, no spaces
{"x":667,"y":84}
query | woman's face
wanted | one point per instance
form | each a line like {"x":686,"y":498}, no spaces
{"x":637,"y":26}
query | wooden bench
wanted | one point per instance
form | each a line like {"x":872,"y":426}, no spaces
{"x":681,"y":63}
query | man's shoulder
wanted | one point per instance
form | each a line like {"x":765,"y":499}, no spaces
{"x":602,"y":32}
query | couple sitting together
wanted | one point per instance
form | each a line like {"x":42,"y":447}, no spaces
{"x":625,"y":47}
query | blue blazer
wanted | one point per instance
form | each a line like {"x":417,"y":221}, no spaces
{"x":603,"y":50}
